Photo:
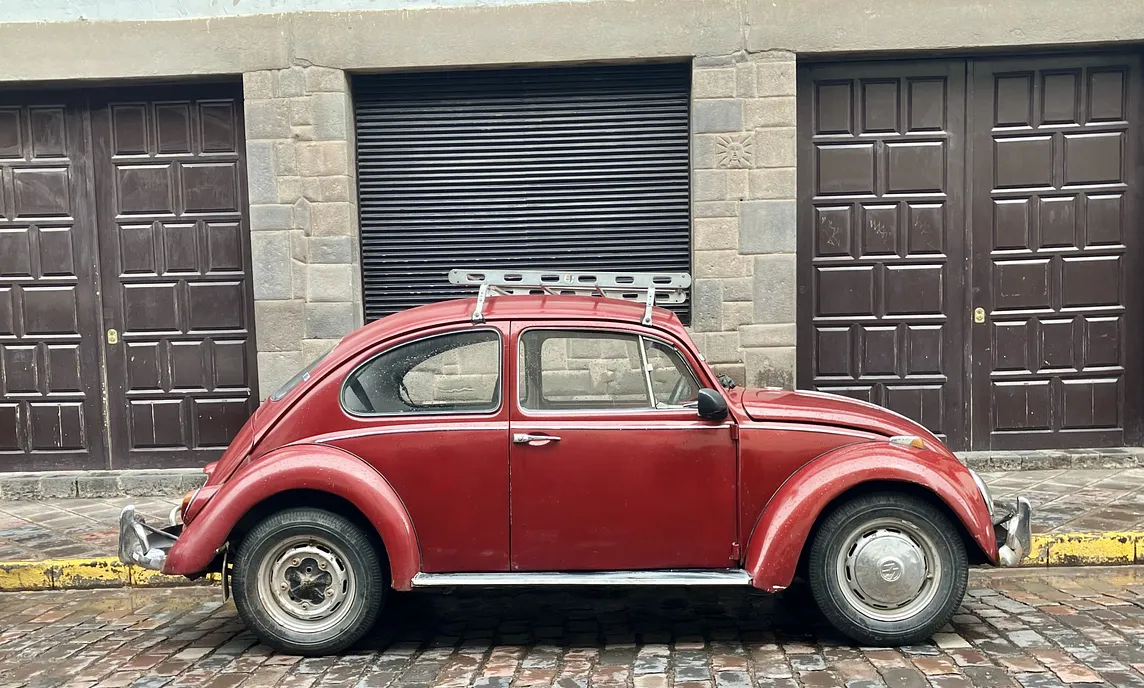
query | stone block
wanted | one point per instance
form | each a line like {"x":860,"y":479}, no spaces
{"x":767,"y":227}
{"x":775,"y":77}
{"x":303,"y":215}
{"x":338,"y":188}
{"x":775,"y":288}
{"x":276,"y":367}
{"x":329,"y":320}
{"x":711,"y":233}
{"x":278,"y":325}
{"x":20,"y":488}
{"x":707,"y":308}
{"x":773,"y":182}
{"x":708,"y":61}
{"x":299,"y":278}
{"x":717,"y":115}
{"x":331,"y":116}
{"x":738,"y":184}
{"x":261,"y":172}
{"x":704,"y":151}
{"x":270,"y":262}
{"x":319,"y":79}
{"x":713,"y":83}
{"x":736,"y":314}
{"x":769,"y":335}
{"x":769,"y":112}
{"x":323,"y":158}
{"x":58,"y":486}
{"x":334,"y":219}
{"x":721,"y":264}
{"x":775,"y":147}
{"x":286,"y":158}
{"x":312,"y":189}
{"x":97,"y":485}
{"x":329,"y":283}
{"x":313,"y":348}
{"x":302,"y":132}
{"x":267,"y":119}
{"x":259,"y":85}
{"x":738,"y":289}
{"x":709,"y":185}
{"x":714,"y":209}
{"x":745,"y":80}
{"x":299,"y":247}
{"x":149,"y":483}
{"x":292,"y":82}
{"x":722,"y":347}
{"x":289,"y":189}
{"x":770,"y":367}
{"x":271,"y":217}
{"x":330,"y":250}
{"x":301,"y":112}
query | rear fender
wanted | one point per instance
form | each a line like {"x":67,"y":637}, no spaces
{"x":782,"y":529}
{"x":300,"y":467}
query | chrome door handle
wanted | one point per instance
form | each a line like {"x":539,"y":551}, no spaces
{"x":525,"y":438}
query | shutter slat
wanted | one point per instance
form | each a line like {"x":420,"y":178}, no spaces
{"x":582,"y":168}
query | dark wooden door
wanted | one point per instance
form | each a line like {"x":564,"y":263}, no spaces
{"x":1056,"y":232}
{"x":881,"y":240}
{"x":171,"y":195}
{"x":50,"y":408}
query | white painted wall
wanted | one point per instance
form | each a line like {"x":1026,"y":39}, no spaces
{"x":136,"y":10}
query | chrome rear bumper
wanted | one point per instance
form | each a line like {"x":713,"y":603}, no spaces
{"x":1014,"y":532}
{"x":144,"y":545}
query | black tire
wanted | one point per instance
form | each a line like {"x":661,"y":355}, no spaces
{"x":836,"y":582}
{"x":328,"y":560}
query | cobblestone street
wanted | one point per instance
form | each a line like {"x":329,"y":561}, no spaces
{"x":1029,"y":628}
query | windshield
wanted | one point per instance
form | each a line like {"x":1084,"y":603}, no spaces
{"x":303,"y":374}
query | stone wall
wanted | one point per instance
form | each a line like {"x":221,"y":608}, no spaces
{"x":303,"y":216}
{"x":743,"y":194}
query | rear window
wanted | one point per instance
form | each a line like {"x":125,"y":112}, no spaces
{"x":303,"y":374}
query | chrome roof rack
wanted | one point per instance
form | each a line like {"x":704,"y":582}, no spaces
{"x":649,"y":288}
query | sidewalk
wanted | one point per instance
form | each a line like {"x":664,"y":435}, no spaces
{"x":1079,"y":517}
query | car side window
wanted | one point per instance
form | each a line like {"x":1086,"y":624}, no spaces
{"x":581,"y":370}
{"x":672,"y":381}
{"x":451,"y":373}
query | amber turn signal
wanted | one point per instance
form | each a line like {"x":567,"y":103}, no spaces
{"x":908,"y":441}
{"x":186,"y":503}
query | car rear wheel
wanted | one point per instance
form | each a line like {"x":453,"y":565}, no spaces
{"x":888,"y":569}
{"x":308,"y":582}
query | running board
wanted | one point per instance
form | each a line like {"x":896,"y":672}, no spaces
{"x":690,"y":577}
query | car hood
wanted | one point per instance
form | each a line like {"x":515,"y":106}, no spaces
{"x":828,"y":409}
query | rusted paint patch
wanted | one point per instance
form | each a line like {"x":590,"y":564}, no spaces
{"x":82,"y":574}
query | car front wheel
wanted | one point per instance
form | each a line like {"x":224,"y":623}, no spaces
{"x":888,"y":569}
{"x":308,"y":581}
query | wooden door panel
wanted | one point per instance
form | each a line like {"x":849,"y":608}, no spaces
{"x":881,"y":240}
{"x":1055,"y":169}
{"x":51,"y":412}
{"x":170,"y":182}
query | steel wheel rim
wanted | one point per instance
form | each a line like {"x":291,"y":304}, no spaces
{"x":305,"y":584}
{"x":888,"y":569}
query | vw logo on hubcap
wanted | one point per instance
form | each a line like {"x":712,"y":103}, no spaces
{"x":890,"y":570}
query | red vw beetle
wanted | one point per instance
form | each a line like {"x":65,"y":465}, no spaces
{"x":531,"y":437}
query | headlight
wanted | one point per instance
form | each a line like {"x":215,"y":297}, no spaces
{"x":984,"y":490}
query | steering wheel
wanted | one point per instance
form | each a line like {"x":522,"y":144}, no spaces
{"x":676,"y":396}
{"x":403,"y":393}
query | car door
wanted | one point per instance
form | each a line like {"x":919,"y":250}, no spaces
{"x":429,"y":413}
{"x":611,"y":467}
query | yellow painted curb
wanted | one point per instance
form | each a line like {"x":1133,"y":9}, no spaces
{"x":1062,"y":549}
{"x":78,"y":574}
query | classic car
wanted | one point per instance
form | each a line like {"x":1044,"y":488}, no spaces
{"x":563,"y":429}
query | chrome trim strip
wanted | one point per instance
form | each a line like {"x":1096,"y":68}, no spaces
{"x":659,"y":577}
{"x":415,"y":427}
{"x":809,"y":427}
{"x":603,"y":426}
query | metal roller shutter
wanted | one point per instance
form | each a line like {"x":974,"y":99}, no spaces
{"x":572,"y":168}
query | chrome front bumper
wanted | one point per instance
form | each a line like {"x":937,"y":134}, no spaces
{"x":144,"y":545}
{"x":1013,"y":531}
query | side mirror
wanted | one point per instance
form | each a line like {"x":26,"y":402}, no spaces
{"x":712,"y":405}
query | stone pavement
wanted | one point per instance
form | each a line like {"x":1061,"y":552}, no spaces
{"x":1064,"y":501}
{"x":1032,"y":628}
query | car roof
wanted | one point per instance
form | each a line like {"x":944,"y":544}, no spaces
{"x":514,"y":307}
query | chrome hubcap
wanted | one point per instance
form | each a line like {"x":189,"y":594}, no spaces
{"x":888,"y":569}
{"x":305,"y":585}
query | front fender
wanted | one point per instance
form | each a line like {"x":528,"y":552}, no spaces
{"x":300,"y":467}
{"x":778,"y":538}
